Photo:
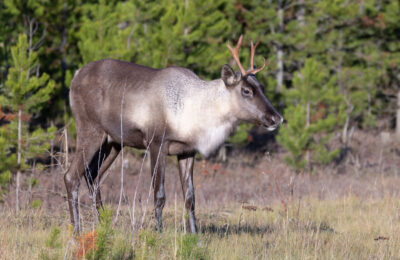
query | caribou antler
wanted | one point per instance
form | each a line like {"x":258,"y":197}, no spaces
{"x":235,"y":54}
{"x":252,"y":53}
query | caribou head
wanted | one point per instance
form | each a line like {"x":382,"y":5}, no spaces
{"x":249,"y":92}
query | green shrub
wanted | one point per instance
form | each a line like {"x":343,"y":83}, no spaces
{"x":121,"y":249}
{"x":188,"y":248}
{"x":53,"y":246}
{"x":54,"y":238}
{"x":104,"y":236}
{"x":147,"y":243}
{"x":36,"y":203}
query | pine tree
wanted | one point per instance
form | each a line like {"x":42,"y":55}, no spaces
{"x":311,"y":114}
{"x":107,"y":31}
{"x":186,"y":33}
{"x":387,"y":24}
{"x":24,"y":94}
{"x":354,"y":60}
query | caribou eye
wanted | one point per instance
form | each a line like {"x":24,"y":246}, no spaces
{"x":247,"y":92}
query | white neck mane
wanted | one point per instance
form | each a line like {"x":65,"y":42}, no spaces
{"x":201,"y":113}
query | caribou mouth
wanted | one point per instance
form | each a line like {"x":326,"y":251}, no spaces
{"x":271,"y":128}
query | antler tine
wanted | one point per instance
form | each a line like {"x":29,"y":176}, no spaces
{"x":259,"y":69}
{"x":252,"y":54}
{"x":235,"y":54}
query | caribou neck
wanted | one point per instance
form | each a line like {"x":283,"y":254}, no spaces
{"x":207,"y":115}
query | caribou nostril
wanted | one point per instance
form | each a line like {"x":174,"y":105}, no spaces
{"x":277,"y":120}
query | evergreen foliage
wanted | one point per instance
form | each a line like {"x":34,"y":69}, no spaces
{"x":105,"y":233}
{"x":23,"y":95}
{"x":8,"y":159}
{"x":312,"y":115}
{"x":107,"y":29}
{"x":108,"y":244}
{"x":51,"y":251}
{"x":354,"y":46}
{"x":23,"y":91}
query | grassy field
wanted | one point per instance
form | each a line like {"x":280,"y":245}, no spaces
{"x":347,"y":228}
{"x":246,"y":209}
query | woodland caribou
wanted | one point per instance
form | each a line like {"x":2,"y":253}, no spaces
{"x":168,"y":111}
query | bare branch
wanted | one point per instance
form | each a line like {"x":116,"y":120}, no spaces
{"x":122,"y":154}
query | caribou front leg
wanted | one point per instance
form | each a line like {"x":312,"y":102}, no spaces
{"x":157,"y":157}
{"x":185,"y":163}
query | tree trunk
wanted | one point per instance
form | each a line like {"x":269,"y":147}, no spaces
{"x":307,"y":125}
{"x":339,"y":65}
{"x":186,"y":28}
{"x":345,"y":138}
{"x":52,"y":159}
{"x":30,"y":183}
{"x":398,"y":115}
{"x":279,"y":76}
{"x":301,"y":13}
{"x":398,"y":107}
{"x":17,"y":191}
{"x":361,"y":8}
{"x":279,"y":49}
{"x":17,"y":186}
{"x":66,"y":149}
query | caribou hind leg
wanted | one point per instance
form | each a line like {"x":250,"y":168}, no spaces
{"x":98,"y":166}
{"x":157,"y":158}
{"x":185,"y":165}
{"x":89,"y":143}
{"x":92,"y":172}
{"x":112,"y":151}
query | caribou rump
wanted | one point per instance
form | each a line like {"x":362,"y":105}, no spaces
{"x":168,"y":111}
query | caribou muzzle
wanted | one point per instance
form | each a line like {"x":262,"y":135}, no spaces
{"x":272,"y":122}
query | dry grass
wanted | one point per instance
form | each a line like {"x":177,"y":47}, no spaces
{"x":347,"y":228}
{"x":255,"y":210}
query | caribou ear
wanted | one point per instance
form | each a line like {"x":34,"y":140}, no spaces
{"x":229,"y":77}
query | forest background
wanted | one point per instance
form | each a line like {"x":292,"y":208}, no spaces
{"x":333,"y":67}
{"x":324,"y":185}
